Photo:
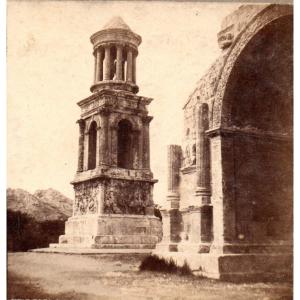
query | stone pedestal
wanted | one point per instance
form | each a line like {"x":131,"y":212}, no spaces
{"x":113,"y":231}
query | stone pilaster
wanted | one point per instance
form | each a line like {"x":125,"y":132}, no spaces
{"x":203,"y":156}
{"x":113,"y":145}
{"x":98,"y":146}
{"x":129,"y":65}
{"x":146,"y":143}
{"x":203,"y":191}
{"x":104,"y":157}
{"x":141,"y":149}
{"x":101,"y":199}
{"x":166,"y":225}
{"x":86,"y":152}
{"x":119,"y":71}
{"x":107,"y":59}
{"x":171,"y":220}
{"x":223,"y":199}
{"x":174,"y":164}
{"x":81,"y":145}
{"x":136,"y":149}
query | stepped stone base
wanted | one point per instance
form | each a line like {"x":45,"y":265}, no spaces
{"x":88,"y":251}
{"x":233,"y":267}
{"x":110,"y":232}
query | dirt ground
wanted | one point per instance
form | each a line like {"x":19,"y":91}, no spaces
{"x":60,"y":276}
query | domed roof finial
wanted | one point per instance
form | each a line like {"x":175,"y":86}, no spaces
{"x":116,"y":23}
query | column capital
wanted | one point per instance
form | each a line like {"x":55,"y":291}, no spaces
{"x":147,"y":119}
{"x":120,"y":45}
{"x":98,"y":48}
{"x":81,"y":123}
{"x":104,"y":111}
{"x":107,"y":45}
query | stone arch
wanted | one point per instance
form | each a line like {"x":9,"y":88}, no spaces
{"x":262,"y":19}
{"x":136,"y":126}
{"x":94,"y":118}
{"x":253,"y":110}
{"x":92,"y":145}
{"x":125,"y":144}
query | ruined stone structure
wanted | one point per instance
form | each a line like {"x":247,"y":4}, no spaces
{"x":229,"y":211}
{"x":113,"y":205}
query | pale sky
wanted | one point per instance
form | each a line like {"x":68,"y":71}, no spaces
{"x":50,"y":68}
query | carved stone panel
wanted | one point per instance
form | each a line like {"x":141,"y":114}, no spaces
{"x":127,"y":197}
{"x":86,"y":195}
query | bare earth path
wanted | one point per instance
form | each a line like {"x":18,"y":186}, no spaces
{"x":59,"y":276}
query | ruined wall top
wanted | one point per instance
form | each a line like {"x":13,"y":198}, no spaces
{"x":232,"y":28}
{"x":234,"y":23}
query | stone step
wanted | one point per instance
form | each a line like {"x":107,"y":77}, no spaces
{"x":90,"y":251}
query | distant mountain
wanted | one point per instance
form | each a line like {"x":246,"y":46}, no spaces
{"x":43,"y":205}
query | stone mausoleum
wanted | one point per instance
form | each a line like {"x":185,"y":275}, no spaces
{"x":113,"y":207}
{"x":229,"y":204}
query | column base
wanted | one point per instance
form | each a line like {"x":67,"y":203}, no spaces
{"x":204,"y":194}
{"x":166,"y":246}
{"x":201,"y":247}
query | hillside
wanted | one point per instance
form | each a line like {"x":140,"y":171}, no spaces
{"x":42,"y":205}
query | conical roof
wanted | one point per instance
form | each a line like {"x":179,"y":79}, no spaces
{"x":116,"y":23}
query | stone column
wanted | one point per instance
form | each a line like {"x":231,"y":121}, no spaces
{"x":203,"y":191}
{"x":174,"y":164}
{"x":203,"y":155}
{"x":107,"y":70}
{"x":104,"y":157}
{"x":146,"y":143}
{"x":119,"y":71}
{"x":98,"y":65}
{"x":134,"y":68}
{"x":129,"y":65}
{"x":81,"y":145}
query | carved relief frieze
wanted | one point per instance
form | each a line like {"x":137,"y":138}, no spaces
{"x":127,"y":197}
{"x":86,"y":195}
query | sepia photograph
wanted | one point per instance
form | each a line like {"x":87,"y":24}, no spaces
{"x":149,"y":150}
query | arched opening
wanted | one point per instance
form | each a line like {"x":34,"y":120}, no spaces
{"x":259,"y":103}
{"x":92,"y":146}
{"x":125,"y":145}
